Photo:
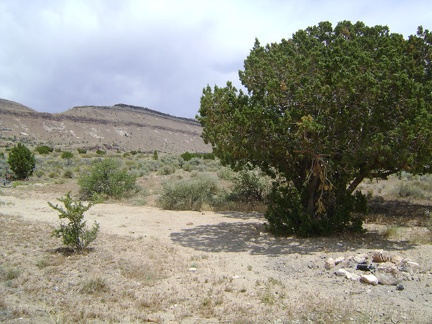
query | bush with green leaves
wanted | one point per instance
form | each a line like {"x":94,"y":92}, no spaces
{"x":251,"y":186}
{"x":73,"y":229}
{"x":190,"y":194}
{"x":107,"y":178}
{"x":44,"y":149}
{"x":21,"y":161}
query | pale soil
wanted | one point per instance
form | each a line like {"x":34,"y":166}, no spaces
{"x":150,"y":264}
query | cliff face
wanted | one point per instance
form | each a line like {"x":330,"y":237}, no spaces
{"x":119,"y":127}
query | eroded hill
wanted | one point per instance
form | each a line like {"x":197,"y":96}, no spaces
{"x":119,"y":127}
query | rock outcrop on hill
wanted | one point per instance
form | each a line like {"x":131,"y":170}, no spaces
{"x":120,"y":127}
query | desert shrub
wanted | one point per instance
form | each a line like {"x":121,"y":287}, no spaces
{"x":167,"y":169}
{"x":190,"y":194}
{"x":68,"y":174}
{"x":22,"y":161}
{"x":152,"y":165}
{"x":413,"y":189}
{"x":82,"y":151}
{"x":251,"y":186}
{"x":40,"y":173}
{"x":73,"y":229}
{"x":67,"y":155}
{"x":44,"y":149}
{"x":186,"y":156}
{"x":225,"y":173}
{"x":155,"y":155}
{"x":100,"y":152}
{"x":106,"y":177}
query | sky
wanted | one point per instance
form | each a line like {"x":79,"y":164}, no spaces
{"x":159,"y":54}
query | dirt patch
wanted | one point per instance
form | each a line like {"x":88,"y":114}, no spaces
{"x":192,"y":267}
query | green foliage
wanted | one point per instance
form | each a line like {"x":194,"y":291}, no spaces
{"x":67,"y":155}
{"x":100,"y":152}
{"x":190,"y":194}
{"x":155,"y":155}
{"x":82,"y":151}
{"x":44,"y":149}
{"x":251,"y":186}
{"x":21,"y":161}
{"x":73,"y":229}
{"x":323,"y":111}
{"x":186,"y":156}
{"x":106,"y":177}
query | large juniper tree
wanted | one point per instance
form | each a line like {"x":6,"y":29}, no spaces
{"x":323,"y":111}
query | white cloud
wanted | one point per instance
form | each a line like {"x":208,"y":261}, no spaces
{"x":159,"y":54}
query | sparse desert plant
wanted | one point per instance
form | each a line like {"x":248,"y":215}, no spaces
{"x":167,"y":169}
{"x":73,"y":229}
{"x":68,"y":174}
{"x":190,"y":194}
{"x":82,"y":151}
{"x":44,"y":149}
{"x":94,"y":286}
{"x":68,"y":156}
{"x":107,"y":178}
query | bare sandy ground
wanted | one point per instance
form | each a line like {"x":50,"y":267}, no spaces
{"x":224,"y":268}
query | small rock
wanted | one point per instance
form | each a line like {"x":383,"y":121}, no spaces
{"x":353,"y":276}
{"x":380,"y":256}
{"x":339,"y":260}
{"x":329,"y":264}
{"x":396,"y":259}
{"x":388,"y":274}
{"x":192,"y":269}
{"x":341,"y":272}
{"x":369,"y":279}
{"x":409,"y":267}
{"x":360,"y":258}
{"x":400,"y":287}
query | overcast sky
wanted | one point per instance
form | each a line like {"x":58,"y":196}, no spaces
{"x":159,"y":54}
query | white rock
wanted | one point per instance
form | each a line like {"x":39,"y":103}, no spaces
{"x":360,"y":258}
{"x":329,"y":264}
{"x":342,"y":273}
{"x":388,"y":274}
{"x":339,"y":260}
{"x":192,"y":269}
{"x":369,"y":279}
{"x":409,"y":267}
{"x":353,"y":276}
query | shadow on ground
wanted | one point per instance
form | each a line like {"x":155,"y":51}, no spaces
{"x":251,"y":237}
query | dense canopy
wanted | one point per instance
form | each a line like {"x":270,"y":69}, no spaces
{"x":323,"y":111}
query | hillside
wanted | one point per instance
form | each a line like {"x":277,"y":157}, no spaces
{"x":119,"y":127}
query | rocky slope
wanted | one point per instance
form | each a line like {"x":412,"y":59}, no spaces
{"x":119,"y":127}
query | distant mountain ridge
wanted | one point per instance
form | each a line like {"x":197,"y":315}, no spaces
{"x":120,"y":127}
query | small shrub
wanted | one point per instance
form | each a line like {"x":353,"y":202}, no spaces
{"x":68,"y":174}
{"x":94,"y":286}
{"x":82,"y":151}
{"x":73,"y":229}
{"x":251,"y":186}
{"x":155,"y":155}
{"x":66,"y":155}
{"x":100,"y":152}
{"x":44,"y":149}
{"x":107,"y":178}
{"x":22,"y":161}
{"x":167,"y":169}
{"x":190,"y":194}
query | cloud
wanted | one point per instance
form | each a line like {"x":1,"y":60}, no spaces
{"x":157,"y":54}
